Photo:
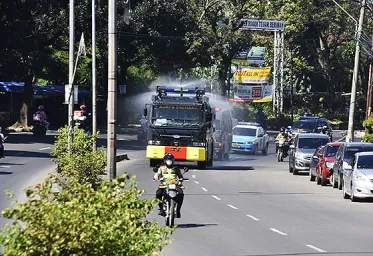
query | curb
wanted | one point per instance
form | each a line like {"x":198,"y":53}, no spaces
{"x":121,"y":157}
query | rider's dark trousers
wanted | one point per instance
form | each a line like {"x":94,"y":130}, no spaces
{"x":179,"y":198}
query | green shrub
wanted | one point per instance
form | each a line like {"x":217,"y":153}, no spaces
{"x":82,"y":163}
{"x":80,"y":220}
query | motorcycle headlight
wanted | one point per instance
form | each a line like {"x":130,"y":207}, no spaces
{"x":154,"y":142}
{"x":329,"y":164}
{"x":199,"y":144}
{"x":358,"y":176}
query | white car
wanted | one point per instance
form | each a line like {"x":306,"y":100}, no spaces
{"x":358,"y":177}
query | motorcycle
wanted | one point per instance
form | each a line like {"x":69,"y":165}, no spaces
{"x":282,"y":147}
{"x":38,"y":128}
{"x":169,"y":198}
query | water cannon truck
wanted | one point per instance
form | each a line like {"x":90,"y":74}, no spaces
{"x":182,"y":122}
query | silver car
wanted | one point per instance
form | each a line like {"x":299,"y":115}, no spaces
{"x":302,"y":150}
{"x":358,"y":177}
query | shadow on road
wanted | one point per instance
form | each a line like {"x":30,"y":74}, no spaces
{"x":5,"y":164}
{"x":194,"y":225}
{"x":232,"y":168}
{"x":5,"y":173}
{"x":29,"y":138}
{"x":20,"y":153}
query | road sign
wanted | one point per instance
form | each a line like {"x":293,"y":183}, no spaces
{"x":267,"y":25}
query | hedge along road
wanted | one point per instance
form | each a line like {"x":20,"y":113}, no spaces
{"x":27,"y":162}
{"x":252,"y":205}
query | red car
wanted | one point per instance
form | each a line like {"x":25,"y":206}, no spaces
{"x":327,"y":159}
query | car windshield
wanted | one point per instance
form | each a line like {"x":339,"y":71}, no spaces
{"x":312,"y":143}
{"x":305,"y":125}
{"x":351,"y":151}
{"x":169,"y":115}
{"x":365,"y":162}
{"x":244,"y":131}
{"x":331,"y":151}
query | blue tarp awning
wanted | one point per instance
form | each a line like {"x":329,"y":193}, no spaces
{"x":42,"y":90}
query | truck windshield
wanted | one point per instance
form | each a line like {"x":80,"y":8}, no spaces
{"x":171,"y":115}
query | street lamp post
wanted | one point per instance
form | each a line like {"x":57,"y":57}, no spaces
{"x":350,"y":131}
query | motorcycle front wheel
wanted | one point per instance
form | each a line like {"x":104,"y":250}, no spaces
{"x":170,"y":218}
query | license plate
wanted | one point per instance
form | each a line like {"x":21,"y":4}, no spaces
{"x":236,"y":146}
{"x":172,"y":186}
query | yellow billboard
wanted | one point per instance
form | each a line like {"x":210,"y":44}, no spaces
{"x":252,"y":75}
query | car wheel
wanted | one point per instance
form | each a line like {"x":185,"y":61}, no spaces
{"x":340,"y":182}
{"x":312,"y":177}
{"x":295,"y":171}
{"x":335,"y":182}
{"x":323,"y":179}
{"x":265,"y":150}
{"x":345,"y":195}
{"x":352,"y":197}
{"x":318,"y":180}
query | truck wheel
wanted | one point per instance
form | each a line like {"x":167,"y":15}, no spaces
{"x":202,"y":165}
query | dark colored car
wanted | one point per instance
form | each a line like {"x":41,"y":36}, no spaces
{"x":312,"y":124}
{"x":344,"y":155}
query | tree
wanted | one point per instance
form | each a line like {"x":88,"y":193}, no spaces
{"x":81,"y":220}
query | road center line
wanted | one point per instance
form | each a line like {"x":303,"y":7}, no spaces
{"x":196,"y":182}
{"x":217,"y":198}
{"x":278,"y":232}
{"x":4,"y":166}
{"x":252,"y":217}
{"x":315,"y":248}
{"x":193,"y":176}
{"x":204,"y":189}
{"x":233,"y":207}
{"x":44,"y":148}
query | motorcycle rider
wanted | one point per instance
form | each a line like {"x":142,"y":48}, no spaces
{"x":282,"y":135}
{"x":41,"y":117}
{"x":169,"y":171}
{"x":2,"y":140}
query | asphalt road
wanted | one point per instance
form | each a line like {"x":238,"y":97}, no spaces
{"x":249,"y":205}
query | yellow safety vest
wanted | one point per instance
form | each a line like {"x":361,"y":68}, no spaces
{"x":167,"y":174}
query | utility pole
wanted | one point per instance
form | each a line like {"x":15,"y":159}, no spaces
{"x":350,"y":131}
{"x":94,"y":90}
{"x":368,"y":109}
{"x":112,"y":91}
{"x":71,"y":76}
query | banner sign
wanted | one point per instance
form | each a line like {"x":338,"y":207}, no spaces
{"x":252,"y":75}
{"x":268,"y":25}
{"x":249,"y":55}
{"x":249,"y":93}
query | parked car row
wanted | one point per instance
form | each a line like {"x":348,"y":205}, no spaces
{"x":347,"y":166}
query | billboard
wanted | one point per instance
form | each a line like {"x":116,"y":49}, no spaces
{"x":251,"y":93}
{"x":249,"y":55}
{"x":252,"y":76}
{"x":267,"y":25}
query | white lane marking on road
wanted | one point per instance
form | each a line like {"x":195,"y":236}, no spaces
{"x":4,"y":166}
{"x":315,"y":248}
{"x":44,"y":148}
{"x":204,"y":189}
{"x":196,"y":182}
{"x":217,"y":198}
{"x":233,"y":207}
{"x":193,"y":176}
{"x":252,"y":217}
{"x":278,"y":232}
